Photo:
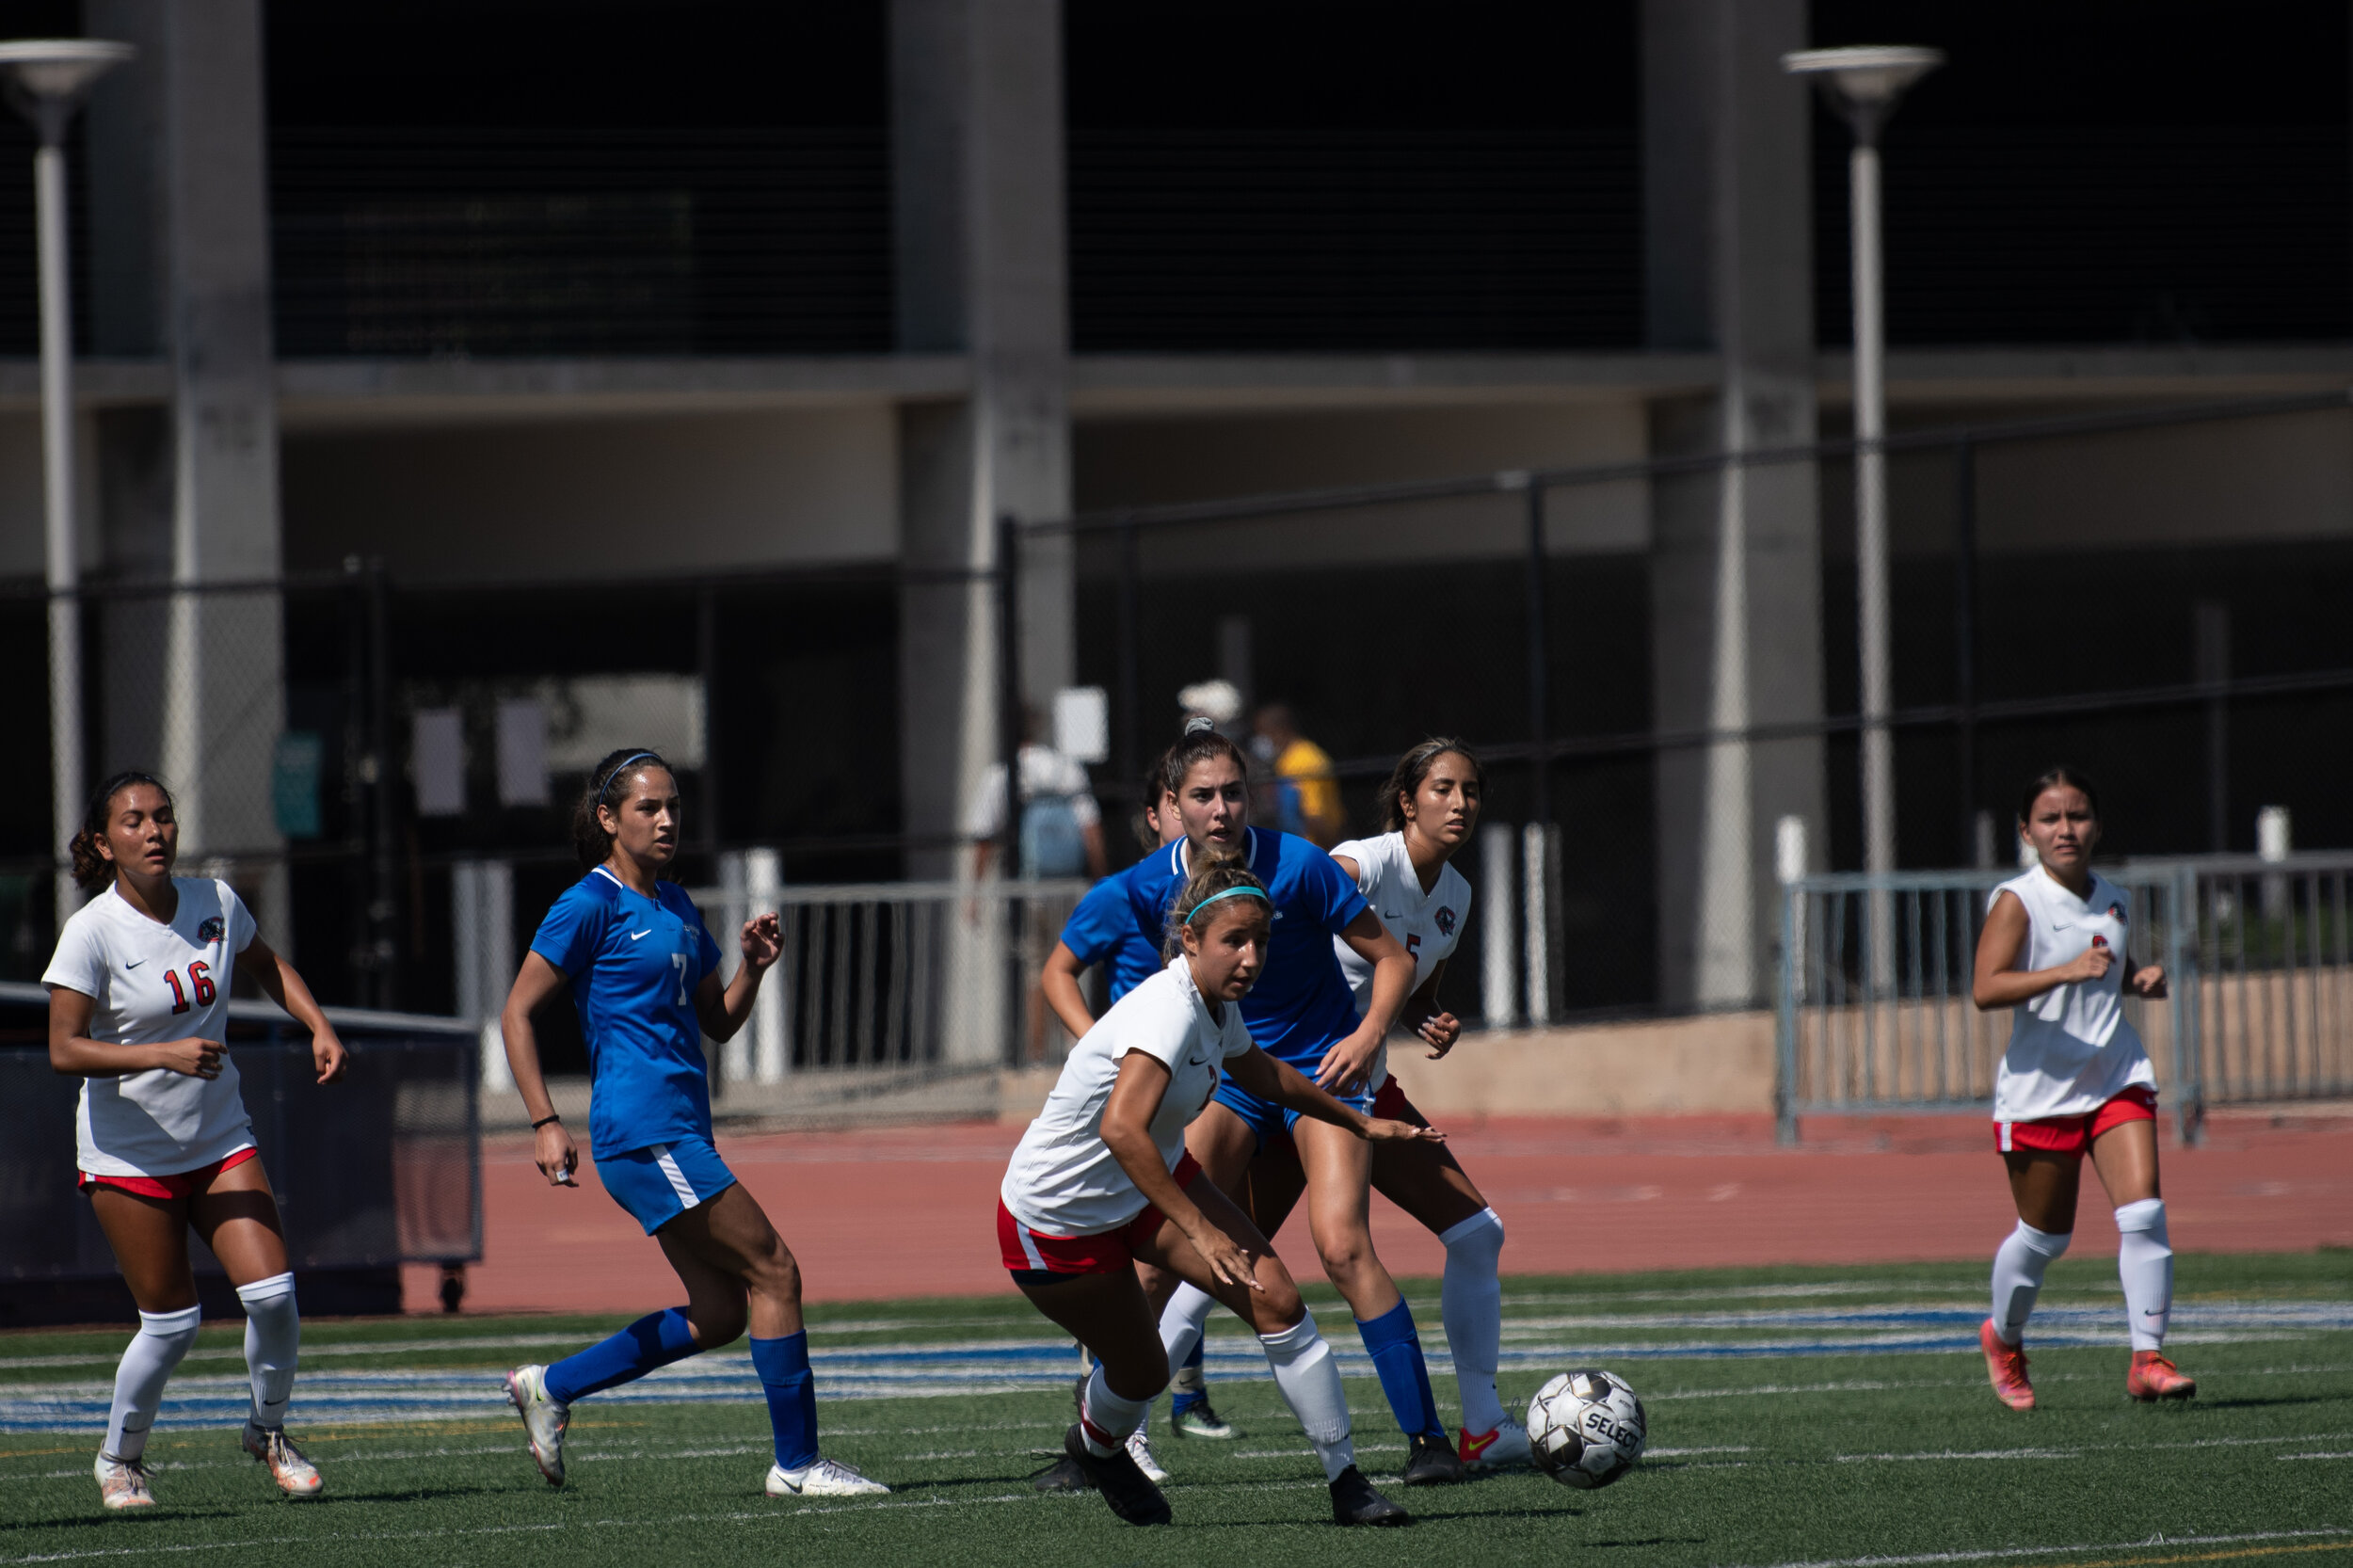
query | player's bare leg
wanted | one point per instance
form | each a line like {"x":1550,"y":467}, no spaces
{"x":238,"y":1217}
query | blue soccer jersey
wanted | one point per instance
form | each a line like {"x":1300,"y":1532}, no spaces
{"x":1302,"y":1002}
{"x":1103,"y":930}
{"x":634,"y":964}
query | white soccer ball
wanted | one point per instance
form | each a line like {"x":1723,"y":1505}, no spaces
{"x":1586,"y":1428}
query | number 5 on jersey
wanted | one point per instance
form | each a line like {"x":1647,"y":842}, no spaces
{"x":199,"y":981}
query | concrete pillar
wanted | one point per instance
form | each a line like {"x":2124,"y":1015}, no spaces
{"x":181,"y":261}
{"x":1734,"y":566}
{"x":978,"y":180}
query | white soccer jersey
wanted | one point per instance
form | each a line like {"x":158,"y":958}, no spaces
{"x":2070,"y":1049}
{"x":1430,"y":924}
{"x":151,"y":982}
{"x":1064,"y":1179}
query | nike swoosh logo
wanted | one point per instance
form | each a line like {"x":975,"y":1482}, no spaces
{"x":634,"y":934}
{"x":133,"y":963}
{"x":1474,"y":1446}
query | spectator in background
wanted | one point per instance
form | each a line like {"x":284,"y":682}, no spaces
{"x":1307,"y":791}
{"x":1062,"y":827}
{"x":1218,"y":701}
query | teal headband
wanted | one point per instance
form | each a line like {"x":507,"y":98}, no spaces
{"x":1244,"y":890}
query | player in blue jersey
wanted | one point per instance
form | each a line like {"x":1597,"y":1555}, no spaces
{"x":645,"y":975}
{"x":1301,"y":1012}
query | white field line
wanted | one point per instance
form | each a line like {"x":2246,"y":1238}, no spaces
{"x":2345,"y":1455}
{"x":1999,"y":1553}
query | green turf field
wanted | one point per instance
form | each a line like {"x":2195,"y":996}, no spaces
{"x":1787,"y":1431}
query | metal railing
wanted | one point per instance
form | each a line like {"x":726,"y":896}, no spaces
{"x":1876,"y":971}
{"x":914,"y":977}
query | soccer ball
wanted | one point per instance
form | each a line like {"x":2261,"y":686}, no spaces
{"x":1586,"y":1428}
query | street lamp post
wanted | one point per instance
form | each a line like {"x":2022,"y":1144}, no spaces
{"x":47,"y":79}
{"x":1864,"y":83}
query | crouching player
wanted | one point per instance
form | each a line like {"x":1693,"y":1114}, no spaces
{"x":1102,"y":1181}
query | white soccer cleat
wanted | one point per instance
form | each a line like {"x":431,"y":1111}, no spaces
{"x":544,"y":1420}
{"x":296,"y":1476}
{"x":825,"y":1477}
{"x":123,"y":1483}
{"x":1498,"y":1449}
{"x":1140,"y":1450}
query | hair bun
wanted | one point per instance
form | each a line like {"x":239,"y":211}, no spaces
{"x":1199,"y":722}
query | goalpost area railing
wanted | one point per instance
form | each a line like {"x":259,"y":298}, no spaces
{"x":1875,"y":1014}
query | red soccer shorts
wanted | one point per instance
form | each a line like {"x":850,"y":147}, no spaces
{"x":1106,"y":1251}
{"x":2073,"y":1134}
{"x":180,"y":1184}
{"x":1391,"y":1104}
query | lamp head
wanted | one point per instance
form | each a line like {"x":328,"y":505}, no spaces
{"x":1863,"y":82}
{"x":47,"y":78}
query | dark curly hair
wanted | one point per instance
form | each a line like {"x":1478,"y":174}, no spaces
{"x":1411,"y":768}
{"x":92,"y":870}
{"x":590,"y":841}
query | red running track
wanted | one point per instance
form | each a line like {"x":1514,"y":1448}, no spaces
{"x":910,"y":1211}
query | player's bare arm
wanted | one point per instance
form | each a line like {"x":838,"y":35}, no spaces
{"x":1135,"y":1099}
{"x":279,"y":982}
{"x":73,"y":1052}
{"x":1344,"y":1066}
{"x":1059,"y":980}
{"x":538,"y":984}
{"x":723,"y":1011}
{"x":1999,"y":983}
{"x":1268,"y":1079}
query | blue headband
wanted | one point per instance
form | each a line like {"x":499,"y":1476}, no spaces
{"x":1231,"y":892}
{"x":621,"y":767}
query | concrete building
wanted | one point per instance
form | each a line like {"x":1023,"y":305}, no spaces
{"x":790,"y":291}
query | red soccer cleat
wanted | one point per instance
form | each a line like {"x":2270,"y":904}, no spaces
{"x":2153,"y":1378}
{"x":2006,"y":1366}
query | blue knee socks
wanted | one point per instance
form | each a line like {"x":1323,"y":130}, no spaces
{"x":783,"y":1368}
{"x":651,"y":1341}
{"x":1396,"y":1351}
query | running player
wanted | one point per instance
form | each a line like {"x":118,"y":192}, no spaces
{"x":1303,"y":1014}
{"x":139,"y":1009}
{"x":644,"y":974}
{"x":2074,"y":1078}
{"x":1102,"y":1179}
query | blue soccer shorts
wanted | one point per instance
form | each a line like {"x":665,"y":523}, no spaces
{"x":1271,"y":1123}
{"x":662,"y":1182}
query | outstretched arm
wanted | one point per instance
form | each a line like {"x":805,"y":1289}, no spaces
{"x":1285,"y":1084}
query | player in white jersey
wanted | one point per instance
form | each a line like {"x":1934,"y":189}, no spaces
{"x":139,"y":1009}
{"x":1431,"y":811}
{"x":2075,"y":1079}
{"x":1102,"y":1181}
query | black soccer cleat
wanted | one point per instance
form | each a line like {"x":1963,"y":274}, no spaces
{"x":1126,"y":1489}
{"x":1432,"y":1462}
{"x":1354,"y":1502}
{"x":1060,"y":1475}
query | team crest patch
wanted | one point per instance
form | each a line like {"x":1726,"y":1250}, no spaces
{"x":2116,"y":913}
{"x":213,"y":930}
{"x":1446,"y":921}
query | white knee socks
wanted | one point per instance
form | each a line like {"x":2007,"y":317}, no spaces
{"x":163,"y":1339}
{"x":2018,"y":1269}
{"x":2144,"y":1261}
{"x":273,"y":1343}
{"x":1182,"y":1320}
{"x":1311,"y":1385}
{"x":1105,"y":1418}
{"x":1470,"y":1302}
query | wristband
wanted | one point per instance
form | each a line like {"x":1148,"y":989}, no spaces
{"x":544,"y":1120}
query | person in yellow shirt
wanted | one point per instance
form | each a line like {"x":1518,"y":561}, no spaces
{"x":1306,"y":791}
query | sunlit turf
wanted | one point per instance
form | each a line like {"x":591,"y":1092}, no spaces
{"x":1767,"y":1457}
